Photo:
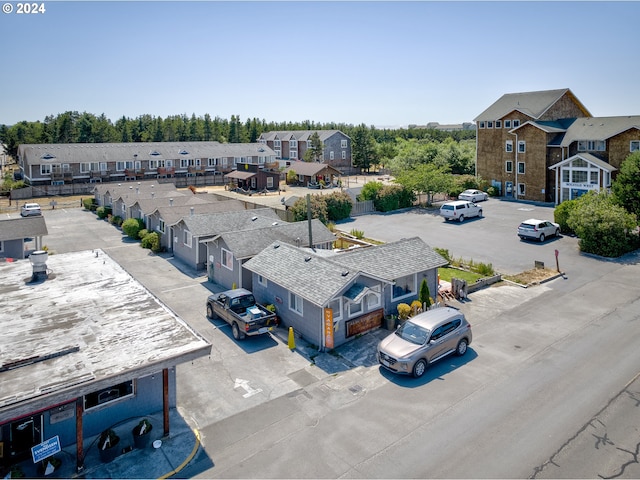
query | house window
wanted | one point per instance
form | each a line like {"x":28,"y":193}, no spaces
{"x":269,"y":182}
{"x":227,"y":259}
{"x":295,"y":303}
{"x":521,"y":189}
{"x":634,"y":145}
{"x":276,"y":143}
{"x":344,"y":155}
{"x":211,"y":162}
{"x":481,"y":125}
{"x":161,"y":226}
{"x":591,"y":145}
{"x":331,"y":156}
{"x":498,"y":124}
{"x":520,"y":168}
{"x":336,"y":306}
{"x":522,"y":146}
{"x":343,"y":144}
{"x":293,"y":154}
{"x":507,"y":124}
{"x":355,"y":308}
{"x":372,"y":300}
{"x":404,"y":286}
{"x":224,"y":161}
{"x":107,"y":395}
{"x":122,"y":166}
{"x":186,"y":238}
{"x":262,"y":281}
{"x":516,"y":123}
{"x":261,"y":160}
{"x":489,"y":124}
{"x":278,"y":153}
{"x":508,"y":166}
{"x":1,"y":246}
{"x":309,"y":145}
{"x":293,"y":144}
{"x":508,"y":146}
{"x":45,"y":169}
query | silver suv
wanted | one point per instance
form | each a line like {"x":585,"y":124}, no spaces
{"x":424,"y":339}
{"x":459,"y":210}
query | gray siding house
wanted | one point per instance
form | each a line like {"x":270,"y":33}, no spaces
{"x":228,"y":251}
{"x":191,"y":232}
{"x":14,"y":233}
{"x":329,"y":299}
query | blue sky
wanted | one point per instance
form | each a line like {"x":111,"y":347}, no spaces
{"x":378,"y":63}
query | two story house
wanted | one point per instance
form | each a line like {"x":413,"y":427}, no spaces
{"x":290,"y":146}
{"x":546,"y":146}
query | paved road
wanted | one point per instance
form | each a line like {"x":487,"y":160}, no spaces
{"x":529,"y":399}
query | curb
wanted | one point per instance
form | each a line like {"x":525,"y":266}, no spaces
{"x":187,"y":460}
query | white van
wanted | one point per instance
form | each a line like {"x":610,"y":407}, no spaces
{"x":459,"y":210}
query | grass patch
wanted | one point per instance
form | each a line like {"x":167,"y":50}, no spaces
{"x":446,"y":274}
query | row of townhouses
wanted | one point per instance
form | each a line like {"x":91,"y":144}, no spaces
{"x":289,"y":265}
{"x":60,"y":164}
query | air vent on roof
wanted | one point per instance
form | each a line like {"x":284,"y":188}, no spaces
{"x":48,"y":156}
{"x":154,"y":153}
{"x":184,"y":152}
{"x":253,"y":219}
{"x":274,"y":223}
{"x":277,"y":245}
{"x":307,"y":258}
{"x":345,"y":273}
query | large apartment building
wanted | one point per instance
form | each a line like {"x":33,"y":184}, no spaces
{"x":546,"y":146}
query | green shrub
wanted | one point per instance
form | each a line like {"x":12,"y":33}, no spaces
{"x":115,"y":220}
{"x":152,"y":241}
{"x":103,"y":212}
{"x":370,"y":191}
{"x":359,"y":234}
{"x":132,"y":226}
{"x":90,"y":204}
{"x":318,"y":209}
{"x":561,"y":214}
{"x":404,"y":310}
{"x":393,"y":197}
{"x":143,"y":233}
{"x":492,"y":191}
{"x":339,"y":205}
{"x":444,"y":253}
{"x":484,"y":269}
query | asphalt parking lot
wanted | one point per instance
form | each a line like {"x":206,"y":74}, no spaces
{"x":243,"y":385}
{"x":491,"y":238}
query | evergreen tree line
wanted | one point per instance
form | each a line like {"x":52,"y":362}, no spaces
{"x":75,"y":127}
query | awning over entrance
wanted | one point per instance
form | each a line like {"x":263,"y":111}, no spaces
{"x":240,"y":175}
{"x":579,"y":174}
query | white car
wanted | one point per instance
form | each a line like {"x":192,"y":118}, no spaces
{"x":473,"y":196}
{"x":459,"y":210}
{"x":538,"y":229}
{"x":29,"y":209}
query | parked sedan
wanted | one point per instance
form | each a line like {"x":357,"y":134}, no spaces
{"x":473,"y":196}
{"x":29,"y":209}
{"x":538,"y":229}
{"x":424,"y":339}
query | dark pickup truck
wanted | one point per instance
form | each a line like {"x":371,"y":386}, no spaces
{"x":239,"y":309}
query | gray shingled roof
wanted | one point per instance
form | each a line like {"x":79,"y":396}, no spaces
{"x":246,"y":244}
{"x":533,"y":104}
{"x":216,"y":223}
{"x":310,"y":276}
{"x":300,"y":135}
{"x":393,"y":260}
{"x":150,"y":205}
{"x":599,"y":128}
{"x":320,"y":278}
{"x":16,"y":228}
{"x":143,"y":188}
{"x":172,"y":215}
{"x":112,"y":152}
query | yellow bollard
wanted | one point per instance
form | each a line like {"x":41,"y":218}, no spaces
{"x":292,"y":341}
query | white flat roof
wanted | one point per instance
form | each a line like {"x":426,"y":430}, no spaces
{"x":90,"y":325}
